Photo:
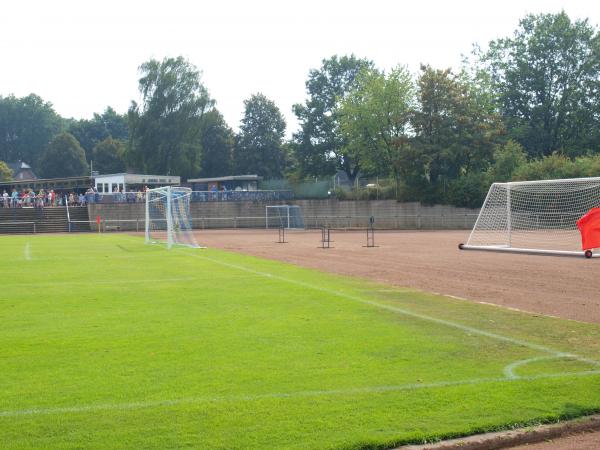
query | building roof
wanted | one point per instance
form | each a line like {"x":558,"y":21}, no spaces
{"x":18,"y":165}
{"x":54,"y":183}
{"x":229,"y":178}
{"x":22,"y":168}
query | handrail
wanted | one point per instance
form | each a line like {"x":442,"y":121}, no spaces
{"x":68,"y":215}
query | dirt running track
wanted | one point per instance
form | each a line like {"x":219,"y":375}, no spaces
{"x":567,"y":287}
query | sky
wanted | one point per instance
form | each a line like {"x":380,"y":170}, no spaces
{"x":84,"y":55}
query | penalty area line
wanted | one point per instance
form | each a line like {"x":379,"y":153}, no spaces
{"x":283,"y":395}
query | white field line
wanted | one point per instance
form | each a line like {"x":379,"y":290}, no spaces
{"x":509,"y":370}
{"x":281,"y":395}
{"x":27,"y":251}
{"x":406,"y":312}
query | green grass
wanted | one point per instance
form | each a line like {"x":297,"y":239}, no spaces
{"x":108,"y":343}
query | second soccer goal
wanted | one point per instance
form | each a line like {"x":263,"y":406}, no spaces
{"x":284,"y":216}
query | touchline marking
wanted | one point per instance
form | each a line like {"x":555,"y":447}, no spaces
{"x":406,"y":312}
{"x":27,"y":251}
{"x":283,"y":395}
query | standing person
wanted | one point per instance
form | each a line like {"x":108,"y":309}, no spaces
{"x":14,"y":198}
{"x":52,"y":197}
{"x":5,"y":199}
{"x":40,"y":199}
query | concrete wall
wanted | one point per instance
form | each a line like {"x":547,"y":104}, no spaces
{"x":317,"y":213}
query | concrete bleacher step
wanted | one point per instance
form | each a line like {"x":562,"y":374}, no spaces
{"x":80,"y":219}
{"x":46,"y":220}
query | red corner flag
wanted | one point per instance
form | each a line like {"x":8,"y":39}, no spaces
{"x":589,"y":227}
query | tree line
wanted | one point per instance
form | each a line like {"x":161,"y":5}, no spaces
{"x":525,"y":107}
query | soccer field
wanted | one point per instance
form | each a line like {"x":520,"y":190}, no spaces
{"x":110,"y":343}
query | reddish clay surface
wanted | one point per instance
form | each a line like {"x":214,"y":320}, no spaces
{"x":584,"y":441}
{"x":567,"y":287}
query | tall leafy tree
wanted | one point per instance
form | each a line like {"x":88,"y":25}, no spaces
{"x":116,"y":124}
{"x":27,"y":125}
{"x":375,"y":119}
{"x":259,"y":145}
{"x":102,"y":126}
{"x":165,"y":128}
{"x":64,"y":157}
{"x":108,"y":156}
{"x":319,"y":144}
{"x":456,"y":132}
{"x":217,"y":146}
{"x":548,"y":77}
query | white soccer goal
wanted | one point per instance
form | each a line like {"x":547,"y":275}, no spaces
{"x":535,"y":216}
{"x":286,"y":216}
{"x":168,"y":216}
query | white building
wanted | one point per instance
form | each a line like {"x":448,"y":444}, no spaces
{"x":129,"y":182}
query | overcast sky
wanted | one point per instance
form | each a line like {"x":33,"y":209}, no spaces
{"x":83,"y":56}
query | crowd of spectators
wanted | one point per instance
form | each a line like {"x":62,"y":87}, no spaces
{"x":28,"y":198}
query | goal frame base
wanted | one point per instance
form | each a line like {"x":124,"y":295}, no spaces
{"x":530,"y":251}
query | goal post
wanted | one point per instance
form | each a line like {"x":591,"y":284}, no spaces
{"x":284,"y":216}
{"x":535,"y":217}
{"x":168,"y":217}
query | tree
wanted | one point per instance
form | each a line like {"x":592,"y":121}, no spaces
{"x":102,"y":126}
{"x":375,"y":119}
{"x":115,"y":124}
{"x":217,"y":146}
{"x":108,"y":156}
{"x":319,"y":145}
{"x":165,"y":128}
{"x":507,"y":159}
{"x":259,"y":145}
{"x":5,"y":172}
{"x":63,"y":158}
{"x":26,"y":127}
{"x":547,"y":77}
{"x":456,"y":132}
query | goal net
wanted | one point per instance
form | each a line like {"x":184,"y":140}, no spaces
{"x":284,"y":216}
{"x":535,"y":216}
{"x":168,"y":216}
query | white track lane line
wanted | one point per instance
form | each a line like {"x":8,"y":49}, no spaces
{"x":280,"y":395}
